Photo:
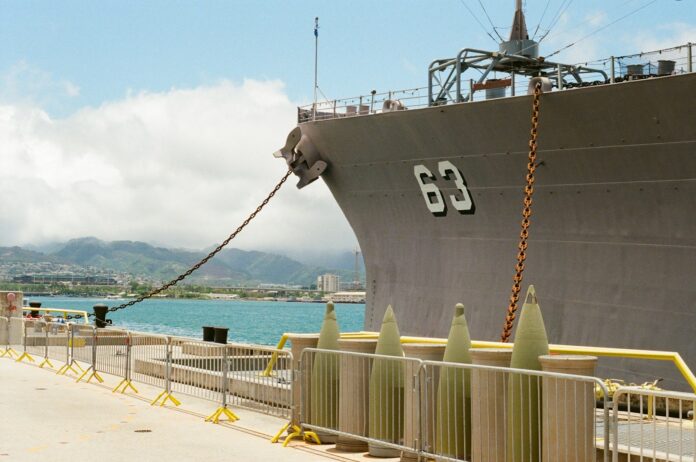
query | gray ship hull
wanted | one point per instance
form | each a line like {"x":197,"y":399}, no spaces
{"x":612,"y":251}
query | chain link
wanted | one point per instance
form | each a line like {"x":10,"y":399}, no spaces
{"x":526,"y":216}
{"x":205,"y":260}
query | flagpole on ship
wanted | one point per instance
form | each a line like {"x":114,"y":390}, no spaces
{"x":316,"y":60}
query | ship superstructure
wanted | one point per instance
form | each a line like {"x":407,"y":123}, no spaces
{"x":431,"y":182}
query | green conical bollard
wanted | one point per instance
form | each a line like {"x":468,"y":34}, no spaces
{"x":453,"y":411}
{"x":524,"y":392}
{"x":325,"y":385}
{"x":386,"y":420}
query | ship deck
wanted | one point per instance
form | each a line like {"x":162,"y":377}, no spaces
{"x":50,"y":417}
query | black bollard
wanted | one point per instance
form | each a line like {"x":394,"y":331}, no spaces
{"x":208,"y":334}
{"x":221,"y":335}
{"x":100,"y":315}
{"x":35,"y":313}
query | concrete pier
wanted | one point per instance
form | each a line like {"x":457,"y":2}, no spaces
{"x":47,"y":417}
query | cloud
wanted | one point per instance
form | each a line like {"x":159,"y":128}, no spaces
{"x":666,"y":36}
{"x":596,"y":18}
{"x":177,"y":168}
{"x":26,"y":83}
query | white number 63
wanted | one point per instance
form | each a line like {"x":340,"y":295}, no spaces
{"x":432,"y":194}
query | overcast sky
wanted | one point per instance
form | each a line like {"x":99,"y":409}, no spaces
{"x":156,"y":120}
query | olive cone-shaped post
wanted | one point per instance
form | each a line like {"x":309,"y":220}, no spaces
{"x":524,"y":401}
{"x":387,"y":389}
{"x":453,"y":411}
{"x":325,"y":384}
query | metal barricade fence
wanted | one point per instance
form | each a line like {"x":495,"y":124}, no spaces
{"x":485,"y":413}
{"x":653,"y":425}
{"x":112,"y":347}
{"x":249,"y":388}
{"x":16,"y":332}
{"x":196,"y":368}
{"x":395,"y":406}
{"x":81,"y":340}
{"x":149,"y":355}
{"x":58,"y":340}
{"x":35,"y":337}
{"x":358,"y":398}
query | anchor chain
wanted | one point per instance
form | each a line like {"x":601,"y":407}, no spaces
{"x":526,"y":219}
{"x":205,"y":259}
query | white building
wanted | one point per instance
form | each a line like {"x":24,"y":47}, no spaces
{"x":348,"y":297}
{"x":328,"y":283}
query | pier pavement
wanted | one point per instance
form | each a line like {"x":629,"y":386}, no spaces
{"x":47,"y":417}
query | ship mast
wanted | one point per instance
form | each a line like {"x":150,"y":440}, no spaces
{"x":519,"y":42}
{"x":519,"y":26}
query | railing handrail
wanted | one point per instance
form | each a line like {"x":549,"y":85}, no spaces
{"x":627,"y":353}
{"x":653,"y":392}
{"x":368,"y":99}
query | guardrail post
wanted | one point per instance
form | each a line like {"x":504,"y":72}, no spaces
{"x":559,"y":76}
{"x":45,"y":359}
{"x":69,"y":358}
{"x":612,"y":79}
{"x":458,"y":80}
{"x":418,"y":427}
{"x":610,"y":427}
{"x":24,"y":354}
{"x":126,"y":382}
{"x":93,"y":366}
{"x":167,"y":393}
{"x":224,"y":388}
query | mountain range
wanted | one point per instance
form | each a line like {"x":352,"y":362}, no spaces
{"x":229,"y":268}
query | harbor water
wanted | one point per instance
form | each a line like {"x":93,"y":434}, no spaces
{"x":260,"y":322}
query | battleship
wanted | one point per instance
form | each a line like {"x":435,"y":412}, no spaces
{"x":431,"y":182}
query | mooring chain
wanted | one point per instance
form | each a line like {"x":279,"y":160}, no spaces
{"x":205,"y":260}
{"x":526,"y":216}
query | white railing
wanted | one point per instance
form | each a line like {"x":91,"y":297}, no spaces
{"x":653,"y":425}
{"x":675,"y":60}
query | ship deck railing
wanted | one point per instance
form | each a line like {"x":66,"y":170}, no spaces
{"x":473,"y":87}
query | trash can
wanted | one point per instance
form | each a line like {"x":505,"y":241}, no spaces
{"x":220,"y":335}
{"x":100,"y":315}
{"x":208,"y":334}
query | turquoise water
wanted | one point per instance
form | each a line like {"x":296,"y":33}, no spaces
{"x":248,"y":321}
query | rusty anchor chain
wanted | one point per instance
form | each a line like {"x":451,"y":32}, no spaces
{"x":526,"y":219}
